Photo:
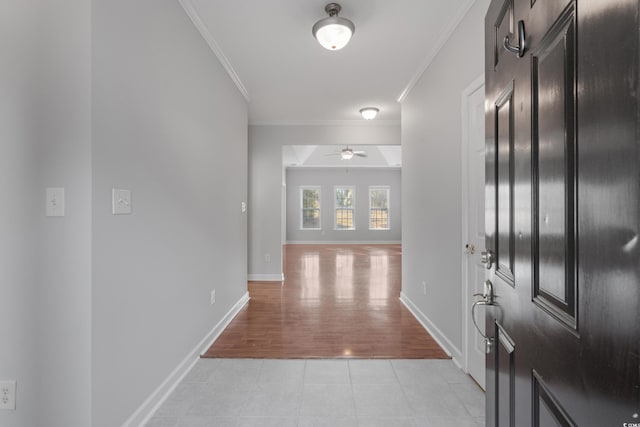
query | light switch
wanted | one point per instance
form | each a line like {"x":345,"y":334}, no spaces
{"x":121,"y":201}
{"x":243,"y":207}
{"x":55,"y":202}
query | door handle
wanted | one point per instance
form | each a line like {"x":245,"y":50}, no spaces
{"x":519,"y":49}
{"x":488,"y":298}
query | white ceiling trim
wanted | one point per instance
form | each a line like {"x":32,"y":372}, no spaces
{"x":192,"y":12}
{"x":439,"y":45}
{"x":371,"y":123}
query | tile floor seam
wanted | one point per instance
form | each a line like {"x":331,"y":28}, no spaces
{"x":301,"y":397}
{"x":404,"y":393}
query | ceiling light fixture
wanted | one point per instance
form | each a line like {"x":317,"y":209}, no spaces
{"x":333,"y":33}
{"x":369,"y":113}
{"x":346,"y":154}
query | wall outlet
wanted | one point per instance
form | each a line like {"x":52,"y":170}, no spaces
{"x":213,"y":297}
{"x":424,"y":287}
{"x":267,"y":257}
{"x":8,"y":395}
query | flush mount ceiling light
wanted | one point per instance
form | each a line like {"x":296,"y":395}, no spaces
{"x":333,"y":33}
{"x":369,"y":113}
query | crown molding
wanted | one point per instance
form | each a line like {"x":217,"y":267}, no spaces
{"x":193,"y":14}
{"x":446,"y":35}
{"x":369,"y":123}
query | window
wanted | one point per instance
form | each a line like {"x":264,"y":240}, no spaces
{"x":310,"y":204}
{"x":378,"y":208}
{"x":344,"y":208}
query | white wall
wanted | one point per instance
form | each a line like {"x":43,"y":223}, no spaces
{"x":431,"y":179}
{"x":45,"y":137}
{"x":266,"y":180}
{"x":327,"y":179}
{"x":168,"y":124}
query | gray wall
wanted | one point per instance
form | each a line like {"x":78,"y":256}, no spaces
{"x":266,"y":179}
{"x":45,"y":141}
{"x":431,"y":179}
{"x":168,"y":124}
{"x":327,"y":178}
{"x":96,"y":308}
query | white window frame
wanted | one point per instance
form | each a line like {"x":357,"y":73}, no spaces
{"x":336,"y":207}
{"x":302,"y":208}
{"x":388,"y":189}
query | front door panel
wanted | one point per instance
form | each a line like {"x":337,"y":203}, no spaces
{"x":563,"y":212}
{"x":504,"y":247}
{"x":554,"y":177}
{"x":505,"y":377}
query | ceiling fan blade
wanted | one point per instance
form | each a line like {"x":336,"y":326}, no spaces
{"x":360,"y":153}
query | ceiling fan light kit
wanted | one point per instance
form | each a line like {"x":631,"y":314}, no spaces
{"x":334,"y":32}
{"x":369,"y":113}
{"x":348,"y":153}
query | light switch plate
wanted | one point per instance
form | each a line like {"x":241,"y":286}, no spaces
{"x":55,"y":202}
{"x":121,"y":201}
{"x":243,"y":207}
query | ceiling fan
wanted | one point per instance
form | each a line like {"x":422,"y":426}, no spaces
{"x":348,"y":153}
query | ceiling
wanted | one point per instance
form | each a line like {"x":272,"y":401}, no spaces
{"x":268,"y":49}
{"x":302,"y":156}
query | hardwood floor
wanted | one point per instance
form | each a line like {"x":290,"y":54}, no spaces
{"x":338,"y":301}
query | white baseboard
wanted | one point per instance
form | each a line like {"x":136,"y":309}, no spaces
{"x":343,"y":242}
{"x":444,"y":342}
{"x":144,"y":413}
{"x":266,"y":277}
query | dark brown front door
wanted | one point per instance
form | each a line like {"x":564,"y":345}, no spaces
{"x":563,"y":212}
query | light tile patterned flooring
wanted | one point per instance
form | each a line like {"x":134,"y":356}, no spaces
{"x":335,"y":393}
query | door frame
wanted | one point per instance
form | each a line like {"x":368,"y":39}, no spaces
{"x":476,"y":84}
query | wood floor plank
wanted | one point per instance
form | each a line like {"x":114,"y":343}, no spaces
{"x":337,"y":301}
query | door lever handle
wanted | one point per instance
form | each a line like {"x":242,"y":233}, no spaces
{"x":473,"y":317}
{"x":519,"y":49}
{"x":488,"y":298}
{"x":487,"y":295}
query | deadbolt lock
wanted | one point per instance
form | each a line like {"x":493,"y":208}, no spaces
{"x":487,"y":258}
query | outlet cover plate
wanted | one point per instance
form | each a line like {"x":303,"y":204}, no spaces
{"x":55,"y":202}
{"x":121,"y":201}
{"x":8,"y":395}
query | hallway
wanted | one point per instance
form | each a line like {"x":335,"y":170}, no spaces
{"x":339,"y":305}
{"x":337,"y":301}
